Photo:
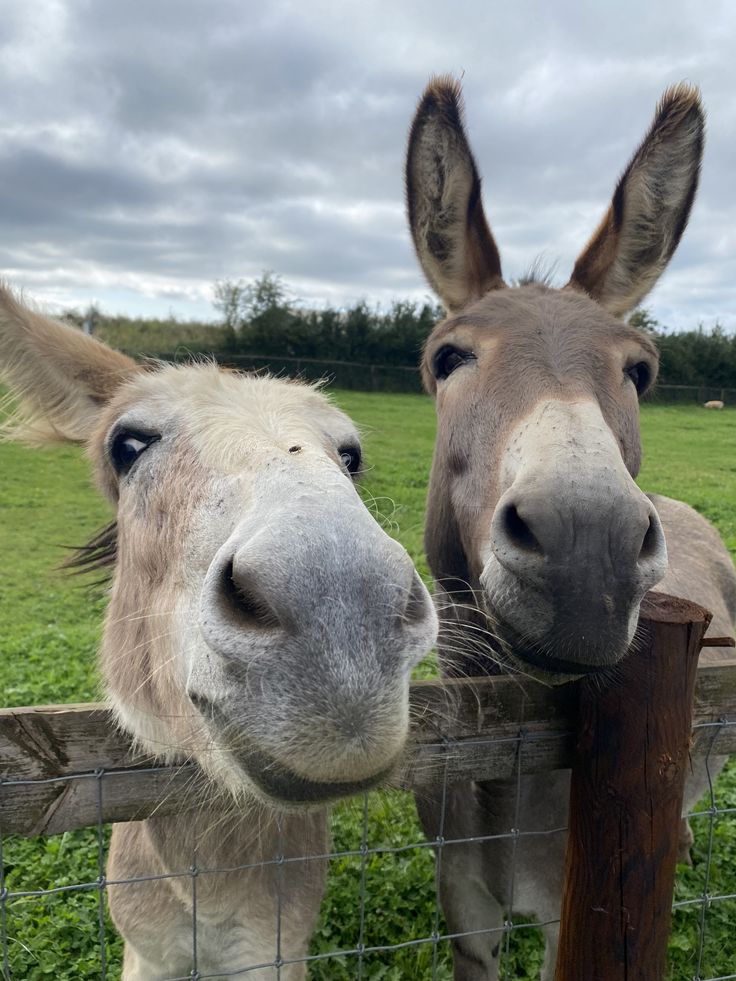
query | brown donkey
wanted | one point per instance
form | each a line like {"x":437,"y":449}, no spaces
{"x":541,"y":544}
{"x":260,"y":623}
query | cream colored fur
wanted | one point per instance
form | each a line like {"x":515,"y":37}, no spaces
{"x":260,"y":624}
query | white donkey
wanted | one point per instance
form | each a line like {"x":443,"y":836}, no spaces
{"x":260,"y":623}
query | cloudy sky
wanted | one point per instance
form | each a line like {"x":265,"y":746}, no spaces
{"x":150,"y":148}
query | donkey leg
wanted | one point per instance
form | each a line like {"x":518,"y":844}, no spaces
{"x":136,"y":968}
{"x":237,"y":914}
{"x":551,"y":939}
{"x":469,"y":906}
{"x":471,"y":910}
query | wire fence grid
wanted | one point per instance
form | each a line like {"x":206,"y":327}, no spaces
{"x":360,"y":954}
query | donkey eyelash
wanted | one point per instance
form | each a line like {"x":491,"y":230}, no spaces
{"x":125,"y":446}
{"x":351,"y":459}
{"x":448,"y":359}
{"x":640,"y":374}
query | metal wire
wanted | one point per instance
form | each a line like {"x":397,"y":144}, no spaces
{"x":3,"y":898}
{"x":279,"y":890}
{"x":439,"y":844}
{"x":194,"y":872}
{"x":706,"y":883}
{"x":363,"y":865}
{"x":101,"y":878}
{"x":358,"y":953}
{"x":509,"y":922}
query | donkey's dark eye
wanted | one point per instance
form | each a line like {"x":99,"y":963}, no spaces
{"x":447,"y":359}
{"x":351,"y":459}
{"x":640,"y":375}
{"x":127,"y":446}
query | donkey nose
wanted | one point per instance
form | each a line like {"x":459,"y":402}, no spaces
{"x":536,"y":532}
{"x":651,"y":562}
{"x":238,"y":610}
{"x":417,"y":619}
{"x":244,"y":599}
{"x":327,"y":585}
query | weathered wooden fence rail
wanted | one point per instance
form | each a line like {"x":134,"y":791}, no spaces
{"x":64,"y":767}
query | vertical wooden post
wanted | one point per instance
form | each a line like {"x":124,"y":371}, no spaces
{"x":626,"y":802}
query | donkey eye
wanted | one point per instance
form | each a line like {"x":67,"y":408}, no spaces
{"x":127,"y":447}
{"x":350,"y":458}
{"x":640,"y":375}
{"x":447,"y":359}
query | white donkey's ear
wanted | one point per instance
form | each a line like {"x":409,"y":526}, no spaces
{"x":451,"y":236}
{"x":58,"y":378}
{"x":650,"y":207}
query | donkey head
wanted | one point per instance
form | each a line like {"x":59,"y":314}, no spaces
{"x":534,"y":520}
{"x":260,"y":620}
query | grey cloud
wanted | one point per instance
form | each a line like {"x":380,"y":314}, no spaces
{"x":197,"y":141}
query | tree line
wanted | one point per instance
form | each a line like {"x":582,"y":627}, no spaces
{"x":260,"y":318}
{"x":702,"y":357}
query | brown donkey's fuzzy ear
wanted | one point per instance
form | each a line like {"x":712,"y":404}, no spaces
{"x":650,"y":207}
{"x":58,"y":378}
{"x":451,"y":236}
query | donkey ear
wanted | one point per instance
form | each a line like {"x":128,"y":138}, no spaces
{"x":58,"y":377}
{"x":650,"y":207}
{"x":451,"y":236}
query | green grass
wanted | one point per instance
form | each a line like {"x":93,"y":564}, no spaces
{"x":49,"y":630}
{"x":690,"y":455}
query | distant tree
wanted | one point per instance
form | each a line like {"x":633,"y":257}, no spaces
{"x":642,"y":319}
{"x":253,"y":313}
{"x":91,"y":320}
{"x":260,"y":317}
{"x":229,"y":299}
{"x":267,"y":293}
{"x":357,"y":327}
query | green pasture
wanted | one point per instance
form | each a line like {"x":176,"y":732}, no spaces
{"x":49,"y":629}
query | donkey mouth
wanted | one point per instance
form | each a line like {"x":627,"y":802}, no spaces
{"x":555,"y":665}
{"x":516,"y":649}
{"x":281,"y":784}
{"x":276,"y":782}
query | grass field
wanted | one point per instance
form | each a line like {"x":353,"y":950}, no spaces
{"x":49,"y":629}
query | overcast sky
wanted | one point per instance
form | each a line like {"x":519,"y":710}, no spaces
{"x":150,"y":148}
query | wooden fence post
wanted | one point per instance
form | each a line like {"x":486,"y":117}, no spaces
{"x":626,"y":800}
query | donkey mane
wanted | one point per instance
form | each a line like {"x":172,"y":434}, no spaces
{"x":540,"y":272}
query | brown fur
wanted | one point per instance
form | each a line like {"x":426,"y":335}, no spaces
{"x":550,"y":339}
{"x":514,"y":350}
{"x":446,"y":211}
{"x":650,"y":207}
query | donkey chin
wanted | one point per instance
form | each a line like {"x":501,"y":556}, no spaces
{"x":585,"y":628}
{"x":308,"y":761}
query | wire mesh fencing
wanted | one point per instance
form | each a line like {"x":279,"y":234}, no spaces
{"x":378,"y":887}
{"x":704,"y":906}
{"x":381,"y":916}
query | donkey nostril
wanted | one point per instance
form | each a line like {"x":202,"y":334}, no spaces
{"x":518,"y":531}
{"x":200,"y":702}
{"x":650,"y":544}
{"x":416,"y":609}
{"x":244,"y":600}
